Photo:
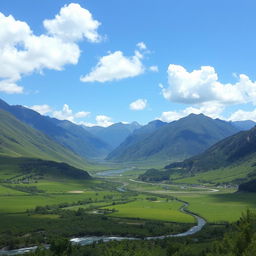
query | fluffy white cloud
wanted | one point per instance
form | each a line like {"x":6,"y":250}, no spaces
{"x":154,"y":68}
{"x":73,"y":23}
{"x":67,"y":114}
{"x":7,"y":86}
{"x":81,"y":114}
{"x":211,"y":110}
{"x":23,"y":52}
{"x":115,"y":66}
{"x":200,"y":86}
{"x":103,"y":120}
{"x":42,"y":109}
{"x":141,"y":46}
{"x":139,"y":104}
{"x":242,"y":115}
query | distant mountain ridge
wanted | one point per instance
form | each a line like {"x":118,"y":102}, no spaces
{"x":177,"y":140}
{"x":244,"y":125}
{"x":114,"y":134}
{"x":71,"y":136}
{"x":123,"y":151}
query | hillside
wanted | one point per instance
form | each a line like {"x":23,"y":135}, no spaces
{"x":25,"y":169}
{"x":70,"y":135}
{"x":238,"y":148}
{"x":20,"y":140}
{"x":123,"y":151}
{"x":114,"y":134}
{"x":173,"y":141}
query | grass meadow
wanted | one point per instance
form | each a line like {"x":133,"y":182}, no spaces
{"x":155,"y":210}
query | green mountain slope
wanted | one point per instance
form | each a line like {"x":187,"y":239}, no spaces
{"x":20,"y":140}
{"x":70,"y":135}
{"x":123,"y":151}
{"x":174,"y":141}
{"x":232,"y":160}
{"x":235,"y":149}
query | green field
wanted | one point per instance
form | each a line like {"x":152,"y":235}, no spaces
{"x":4,"y":191}
{"x":156,"y":210}
{"x":19,"y":204}
{"x":220,"y":207}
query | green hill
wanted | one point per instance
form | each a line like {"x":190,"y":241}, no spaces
{"x":20,"y":140}
{"x":22,"y":170}
{"x":232,"y":160}
{"x":238,"y":148}
{"x":175,"y":141}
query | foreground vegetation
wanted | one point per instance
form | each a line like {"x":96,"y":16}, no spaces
{"x":238,"y":240}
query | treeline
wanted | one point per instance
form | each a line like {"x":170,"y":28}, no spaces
{"x":26,"y":231}
{"x":154,"y":175}
{"x":42,"y":167}
{"x":27,"y":189}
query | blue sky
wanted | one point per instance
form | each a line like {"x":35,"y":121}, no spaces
{"x":129,"y":60}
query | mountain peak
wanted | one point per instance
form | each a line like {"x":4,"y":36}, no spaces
{"x":198,"y":115}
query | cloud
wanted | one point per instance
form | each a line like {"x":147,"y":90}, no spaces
{"x":22,"y":52}
{"x":154,"y":68}
{"x":73,"y":23}
{"x":139,"y":104}
{"x":67,"y":114}
{"x":81,"y":114}
{"x":115,"y":66}
{"x":141,"y":46}
{"x":42,"y":109}
{"x":242,"y":115}
{"x":7,"y":86}
{"x":101,"y":120}
{"x":211,"y":110}
{"x":201,"y":86}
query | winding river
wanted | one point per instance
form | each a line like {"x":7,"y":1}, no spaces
{"x":87,"y":240}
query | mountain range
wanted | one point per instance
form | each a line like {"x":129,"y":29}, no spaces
{"x":234,"y":150}
{"x":114,"y":134}
{"x":177,"y":140}
{"x":156,"y":141}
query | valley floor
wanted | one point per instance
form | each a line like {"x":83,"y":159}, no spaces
{"x":40,"y":210}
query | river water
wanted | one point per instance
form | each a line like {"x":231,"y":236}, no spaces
{"x":110,"y":173}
